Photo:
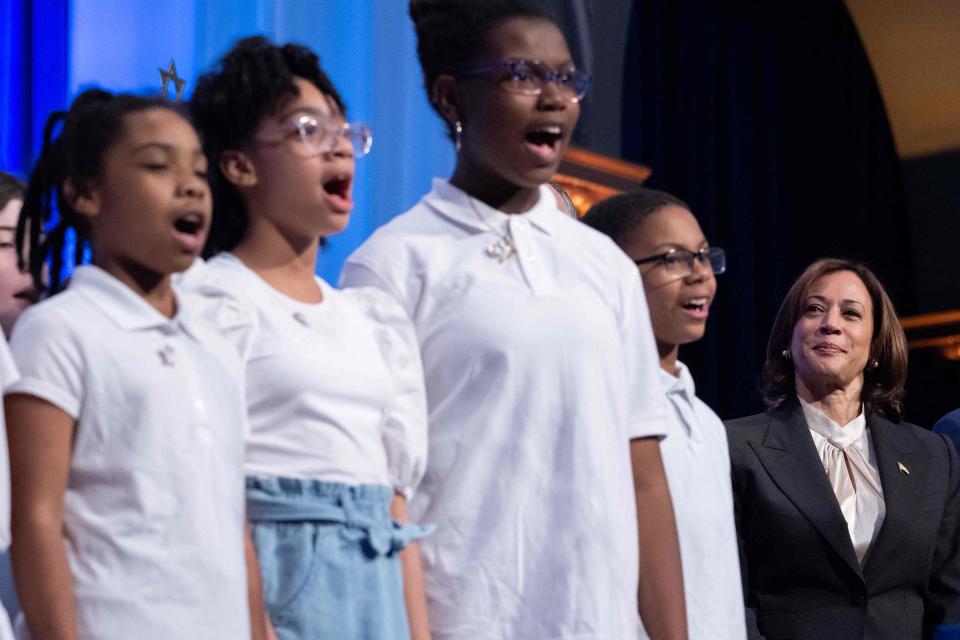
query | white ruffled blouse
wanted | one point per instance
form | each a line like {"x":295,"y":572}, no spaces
{"x":850,"y":461}
{"x":334,"y":390}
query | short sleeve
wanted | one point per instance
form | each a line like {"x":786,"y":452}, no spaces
{"x":385,"y":265}
{"x":216,"y":303}
{"x":646,"y":402}
{"x":47,"y":351}
{"x":405,"y":422}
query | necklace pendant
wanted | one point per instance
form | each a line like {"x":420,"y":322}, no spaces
{"x":302,"y":319}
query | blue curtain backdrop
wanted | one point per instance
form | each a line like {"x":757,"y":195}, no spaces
{"x":52,"y":49}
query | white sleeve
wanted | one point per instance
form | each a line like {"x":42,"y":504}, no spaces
{"x":646,"y":403}
{"x":218,"y":304}
{"x":405,"y":422}
{"x":48,"y":353}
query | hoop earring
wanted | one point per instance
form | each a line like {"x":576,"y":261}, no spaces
{"x":786,"y":354}
{"x":457,"y":132}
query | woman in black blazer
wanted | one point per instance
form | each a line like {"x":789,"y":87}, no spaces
{"x":847,"y":518}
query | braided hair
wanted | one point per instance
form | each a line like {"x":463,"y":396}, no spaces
{"x":74,"y":145}
{"x":253,"y":80}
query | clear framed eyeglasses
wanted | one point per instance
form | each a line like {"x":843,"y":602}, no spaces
{"x":529,"y":77}
{"x":678,"y":263}
{"x":319,"y":136}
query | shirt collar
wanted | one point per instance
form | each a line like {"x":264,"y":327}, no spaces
{"x":841,"y":436}
{"x":682,"y":383}
{"x":122,"y":305}
{"x":467,"y":211}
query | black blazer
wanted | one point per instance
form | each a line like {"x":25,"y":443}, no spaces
{"x":801,"y":577}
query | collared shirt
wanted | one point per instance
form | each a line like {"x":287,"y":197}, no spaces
{"x":334,"y":390}
{"x":154,"y":505}
{"x":865,"y":513}
{"x":697,"y":463}
{"x":532,"y":401}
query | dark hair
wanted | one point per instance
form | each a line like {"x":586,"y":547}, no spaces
{"x":11,"y":188}
{"x":452,"y":33}
{"x":620,"y":216}
{"x":883,"y":386}
{"x":253,"y":80}
{"x":75,"y":156}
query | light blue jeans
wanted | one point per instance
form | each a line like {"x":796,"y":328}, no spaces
{"x":328,"y":557}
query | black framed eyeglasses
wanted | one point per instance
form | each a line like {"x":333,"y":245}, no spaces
{"x":529,"y":77}
{"x":679,"y":262}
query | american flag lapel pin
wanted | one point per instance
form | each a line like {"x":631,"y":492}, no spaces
{"x":903,"y":468}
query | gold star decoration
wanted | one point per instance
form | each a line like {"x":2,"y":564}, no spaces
{"x":170,"y":75}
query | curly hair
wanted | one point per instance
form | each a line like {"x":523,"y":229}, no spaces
{"x":11,"y":188}
{"x":253,"y":80}
{"x":75,"y":156}
{"x":883,"y":387}
{"x":451,"y":34}
{"x":620,"y":216}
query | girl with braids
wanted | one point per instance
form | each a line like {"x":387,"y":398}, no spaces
{"x":126,"y":427}
{"x":334,"y":384}
{"x":541,"y":370}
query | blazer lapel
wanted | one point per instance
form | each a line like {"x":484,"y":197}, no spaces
{"x":901,"y":489}
{"x":790,"y":458}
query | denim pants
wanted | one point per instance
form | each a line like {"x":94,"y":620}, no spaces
{"x":328,"y":557}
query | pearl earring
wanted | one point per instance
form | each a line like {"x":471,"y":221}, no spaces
{"x":786,"y":354}
{"x":458,"y":131}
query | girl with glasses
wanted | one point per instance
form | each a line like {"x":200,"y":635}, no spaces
{"x":334,"y":384}
{"x":544,"y":437}
{"x":678,"y":268}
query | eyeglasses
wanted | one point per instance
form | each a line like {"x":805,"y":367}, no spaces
{"x":530,"y":77}
{"x":319,"y":137}
{"x":678,"y":263}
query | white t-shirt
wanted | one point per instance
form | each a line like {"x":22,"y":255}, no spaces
{"x":154,"y":507}
{"x":334,"y":390}
{"x":697,"y":462}
{"x":532,"y":402}
{"x":8,"y":376}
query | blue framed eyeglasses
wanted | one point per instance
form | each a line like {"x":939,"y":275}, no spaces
{"x":529,"y":77}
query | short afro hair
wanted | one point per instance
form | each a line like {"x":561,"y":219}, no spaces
{"x":620,"y":216}
{"x":253,"y":80}
{"x":451,"y":34}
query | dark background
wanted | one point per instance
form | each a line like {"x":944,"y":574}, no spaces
{"x":766,"y":117}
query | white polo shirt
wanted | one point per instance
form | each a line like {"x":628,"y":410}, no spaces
{"x":539,"y":371}
{"x":154,"y":507}
{"x":8,"y":376}
{"x":334,"y":390}
{"x":697,"y":462}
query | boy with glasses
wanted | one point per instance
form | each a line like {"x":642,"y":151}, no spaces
{"x":678,"y":266}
